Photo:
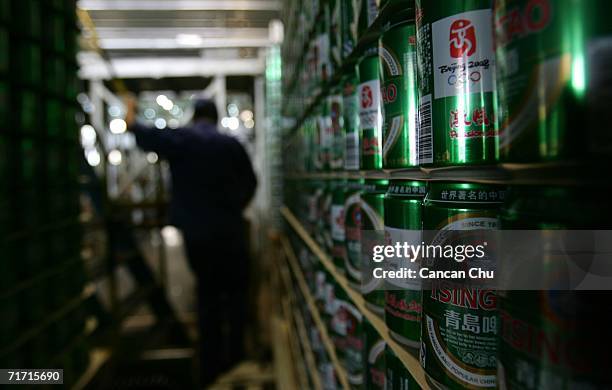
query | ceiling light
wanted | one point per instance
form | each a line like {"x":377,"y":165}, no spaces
{"x":246,"y":115}
{"x":118,"y":126}
{"x":160,"y":123}
{"x":115,"y":157}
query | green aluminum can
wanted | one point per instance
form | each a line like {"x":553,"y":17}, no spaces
{"x":325,"y":215}
{"x":324,"y":136}
{"x":348,"y":326}
{"x":403,"y":223}
{"x":397,"y":377}
{"x":350,"y":112}
{"x":337,"y":224}
{"x":370,"y":109}
{"x":459,"y":326}
{"x":372,"y":231}
{"x":352,"y":231}
{"x":335,"y":31}
{"x":456,"y":66}
{"x":552,"y":86}
{"x":374,"y":357}
{"x":349,"y":27}
{"x":399,"y":95}
{"x":554,"y":339}
{"x":336,"y":123}
{"x":368,"y":12}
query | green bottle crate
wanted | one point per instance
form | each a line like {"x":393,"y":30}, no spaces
{"x":28,"y":63}
{"x":5,"y":11}
{"x":29,"y":112}
{"x":71,"y":43}
{"x":74,"y":157}
{"x":4,"y":50}
{"x":55,"y":162}
{"x":55,"y":75}
{"x":30,"y":156}
{"x":70,"y":128}
{"x":54,"y":117}
{"x":55,"y":29}
{"x":27,"y":18}
{"x":4,"y":166}
{"x":55,"y":5}
{"x":72,"y":87}
{"x":30,"y":210}
{"x":5,"y":100}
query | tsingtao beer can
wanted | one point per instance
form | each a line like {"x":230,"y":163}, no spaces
{"x":372,"y":233}
{"x":352,"y":231}
{"x":403,"y":224}
{"x":324,"y":135}
{"x":336,"y":123}
{"x":337,"y":224}
{"x":459,"y":325}
{"x":456,"y":74}
{"x":374,"y":356}
{"x":553,"y":78}
{"x":348,"y":326}
{"x":349,"y":26}
{"x":350,"y":112}
{"x":397,"y":377}
{"x":324,"y":219}
{"x":370,"y":109}
{"x":399,"y":94}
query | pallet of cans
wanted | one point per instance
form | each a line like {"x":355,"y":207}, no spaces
{"x":482,"y":115}
{"x":42,"y":273}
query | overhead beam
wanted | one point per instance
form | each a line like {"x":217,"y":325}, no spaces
{"x":147,"y":67}
{"x":173,"y":32}
{"x":172,"y":44}
{"x":183,"y":5}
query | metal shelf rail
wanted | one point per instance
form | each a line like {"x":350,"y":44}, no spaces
{"x":312,"y":307}
{"x":409,"y":360}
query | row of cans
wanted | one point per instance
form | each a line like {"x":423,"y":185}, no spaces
{"x":468,"y":83}
{"x":321,"y":35}
{"x":466,"y":337}
{"x":368,"y":361}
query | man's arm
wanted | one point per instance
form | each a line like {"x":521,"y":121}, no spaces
{"x":164,"y":143}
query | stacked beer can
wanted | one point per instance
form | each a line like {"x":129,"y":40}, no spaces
{"x":445,"y":115}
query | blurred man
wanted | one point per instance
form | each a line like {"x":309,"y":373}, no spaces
{"x":212,"y":183}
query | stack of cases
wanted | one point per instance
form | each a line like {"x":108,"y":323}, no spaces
{"x":440,"y":94}
{"x":39,"y":166}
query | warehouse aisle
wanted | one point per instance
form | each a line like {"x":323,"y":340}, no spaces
{"x":305,"y":194}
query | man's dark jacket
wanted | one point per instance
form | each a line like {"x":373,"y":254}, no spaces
{"x":212,"y":176}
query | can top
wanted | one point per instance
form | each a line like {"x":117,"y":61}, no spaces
{"x":412,"y":188}
{"x":465,"y":193}
{"x":375,"y":186}
{"x":369,"y":50}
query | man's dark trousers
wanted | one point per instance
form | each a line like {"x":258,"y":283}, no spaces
{"x":220,"y":261}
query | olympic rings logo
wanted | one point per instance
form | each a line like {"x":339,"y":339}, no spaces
{"x":461,"y":79}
